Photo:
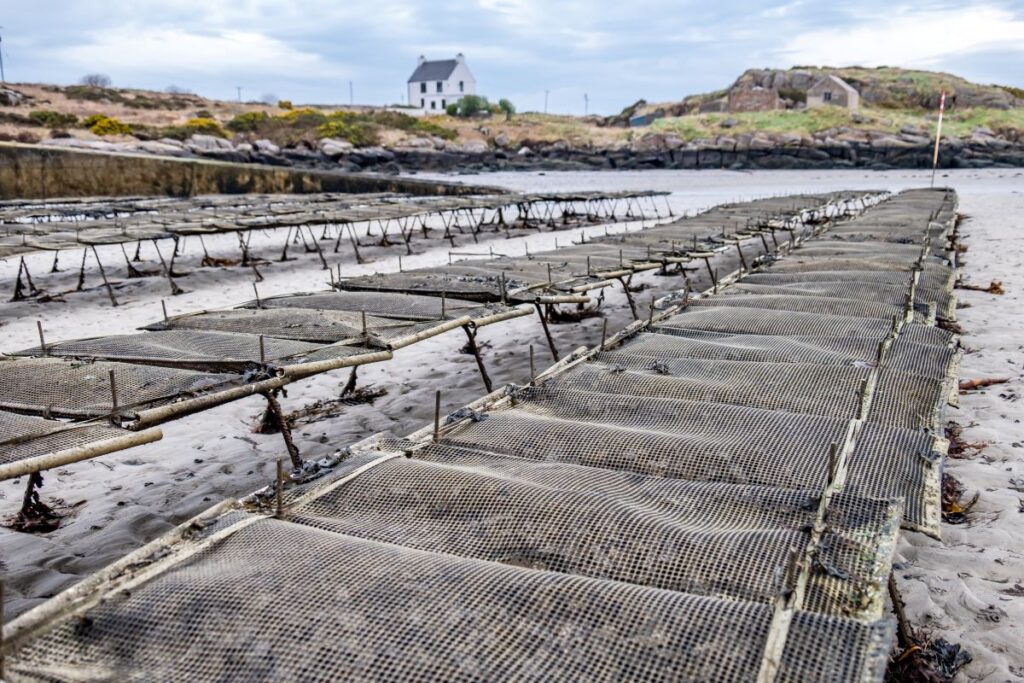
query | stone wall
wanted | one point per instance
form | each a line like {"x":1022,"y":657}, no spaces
{"x":34,"y":171}
{"x":754,"y":99}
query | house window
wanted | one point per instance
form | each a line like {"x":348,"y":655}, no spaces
{"x":462,"y":86}
{"x":443,"y":105}
{"x":826,"y":96}
{"x":433,"y":104}
{"x":440,"y":86}
{"x":423,"y":103}
{"x":423,"y":87}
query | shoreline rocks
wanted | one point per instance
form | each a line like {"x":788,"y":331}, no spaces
{"x":835,"y":148}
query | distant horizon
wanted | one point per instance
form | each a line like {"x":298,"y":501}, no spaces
{"x":309,"y":50}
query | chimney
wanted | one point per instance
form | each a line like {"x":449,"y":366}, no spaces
{"x":421,"y":59}
{"x":460,"y":58}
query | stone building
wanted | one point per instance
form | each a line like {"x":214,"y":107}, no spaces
{"x":833,"y":91}
{"x":754,"y":99}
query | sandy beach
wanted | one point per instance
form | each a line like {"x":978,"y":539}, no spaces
{"x":967,"y":588}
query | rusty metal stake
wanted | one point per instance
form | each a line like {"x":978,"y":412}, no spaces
{"x":475,"y":350}
{"x":286,"y":431}
{"x":547,"y":332}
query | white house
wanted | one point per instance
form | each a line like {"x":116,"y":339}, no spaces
{"x":436,"y":84}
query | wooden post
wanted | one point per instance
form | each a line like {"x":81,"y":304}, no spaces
{"x":1,"y":630}
{"x":113,"y":394}
{"x":81,"y":271}
{"x":163,"y":306}
{"x":278,"y":492}
{"x":42,"y":340}
{"x":437,"y":416}
{"x":604,"y":332}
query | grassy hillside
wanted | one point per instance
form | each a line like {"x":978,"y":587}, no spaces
{"x":894,"y":101}
{"x":807,"y":122}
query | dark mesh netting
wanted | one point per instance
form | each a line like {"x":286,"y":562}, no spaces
{"x":186,"y":348}
{"x":650,"y":531}
{"x":347,"y":608}
{"x":714,"y":498}
{"x":382,"y":304}
{"x":76,"y":388}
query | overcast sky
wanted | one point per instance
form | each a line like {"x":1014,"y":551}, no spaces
{"x":614,"y":51}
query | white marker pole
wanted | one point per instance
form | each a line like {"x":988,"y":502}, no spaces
{"x":938,"y":135}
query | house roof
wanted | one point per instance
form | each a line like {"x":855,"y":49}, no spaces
{"x":437,"y":70}
{"x":835,"y":80}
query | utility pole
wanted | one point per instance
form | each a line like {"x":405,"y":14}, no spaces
{"x":3,"y":79}
{"x":586,"y":104}
{"x":239,"y":89}
{"x":351,"y":97}
{"x":546,"y":101}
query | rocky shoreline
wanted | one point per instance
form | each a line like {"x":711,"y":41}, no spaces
{"x":848,"y":148}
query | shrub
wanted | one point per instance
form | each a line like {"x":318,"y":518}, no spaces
{"x":203,"y":114}
{"x":1016,"y":92}
{"x":52,"y":119}
{"x":413,"y":124}
{"x":506,"y":108}
{"x":285,"y":104}
{"x":92,"y":93}
{"x":105,"y":125}
{"x":96,"y":80}
{"x":205,"y":126}
{"x":92,"y":120}
{"x":305,"y":115}
{"x":359,"y":133}
{"x":472,"y":104}
{"x":452,"y":109}
{"x":247,"y":122}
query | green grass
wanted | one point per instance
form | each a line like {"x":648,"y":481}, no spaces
{"x":807,"y":122}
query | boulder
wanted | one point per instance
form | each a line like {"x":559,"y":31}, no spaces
{"x":673,"y":141}
{"x":10,"y":98}
{"x":474,"y":146}
{"x":729,"y":123}
{"x":97,"y":145}
{"x":524,"y":151}
{"x":501,"y":141}
{"x":207,"y":143}
{"x":419,"y":143}
{"x":333,"y":148}
{"x":266,"y":147}
{"x":160,"y":147}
